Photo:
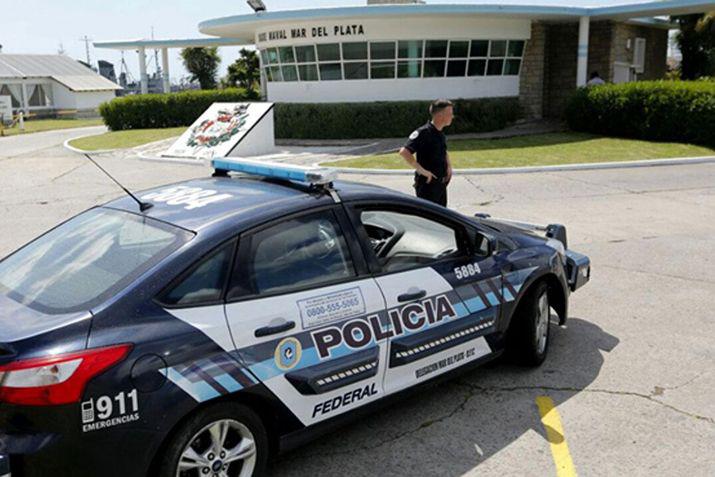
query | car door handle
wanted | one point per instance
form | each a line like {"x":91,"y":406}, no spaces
{"x":275,"y":329}
{"x":411,"y":295}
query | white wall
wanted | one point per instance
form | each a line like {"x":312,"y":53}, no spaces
{"x":92,"y":99}
{"x":428,"y":27}
{"x":65,"y":99}
{"x":393,"y":89}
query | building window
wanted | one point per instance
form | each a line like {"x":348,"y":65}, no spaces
{"x":394,"y":59}
{"x":355,"y":51}
{"x":382,"y":50}
{"x":356,"y":70}
{"x":497,"y":49}
{"x":290,"y":73}
{"x":458,"y":55}
{"x":434,"y":68}
{"x":409,"y":69}
{"x":275,"y":72}
{"x":479,"y":49}
{"x":516,"y":48}
{"x":477,"y":67}
{"x":382,"y":69}
{"x":436,"y":48}
{"x":410,"y":49}
{"x":458,"y":49}
{"x":286,"y":54}
{"x":330,"y":72}
{"x":308,"y":72}
{"x":329,"y":52}
{"x":305,"y":54}
{"x":272,"y":56}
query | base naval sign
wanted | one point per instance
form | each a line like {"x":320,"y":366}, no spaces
{"x":228,"y":130}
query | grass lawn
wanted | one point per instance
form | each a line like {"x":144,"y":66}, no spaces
{"x":125,"y":139}
{"x":40,"y":125}
{"x":540,"y":150}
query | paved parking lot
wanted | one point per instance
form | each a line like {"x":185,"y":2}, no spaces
{"x":631,"y":374}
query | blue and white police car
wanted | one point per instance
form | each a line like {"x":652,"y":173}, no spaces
{"x":231,"y":318}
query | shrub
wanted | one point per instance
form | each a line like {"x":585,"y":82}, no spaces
{"x":681,"y":111}
{"x":166,"y":110}
{"x":387,"y":119}
{"x":313,"y":120}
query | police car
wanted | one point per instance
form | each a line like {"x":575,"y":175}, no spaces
{"x":231,"y":318}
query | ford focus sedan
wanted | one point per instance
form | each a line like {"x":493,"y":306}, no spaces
{"x":231,"y":318}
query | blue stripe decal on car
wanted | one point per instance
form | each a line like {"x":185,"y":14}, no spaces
{"x":200,"y":390}
{"x":229,"y":383}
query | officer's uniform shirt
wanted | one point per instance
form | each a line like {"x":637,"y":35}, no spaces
{"x":429,"y":145}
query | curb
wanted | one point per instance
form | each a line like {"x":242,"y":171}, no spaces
{"x":67,"y":146}
{"x":527,"y":170}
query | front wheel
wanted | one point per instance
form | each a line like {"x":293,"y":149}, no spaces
{"x":224,"y":440}
{"x":528,"y":341}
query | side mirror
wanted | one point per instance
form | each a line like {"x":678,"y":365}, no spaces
{"x":485,"y":245}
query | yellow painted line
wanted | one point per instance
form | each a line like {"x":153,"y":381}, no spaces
{"x":555,"y":435}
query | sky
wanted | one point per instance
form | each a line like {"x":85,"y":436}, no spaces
{"x":45,"y":26}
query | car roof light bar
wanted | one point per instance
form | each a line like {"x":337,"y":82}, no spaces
{"x":308,"y":175}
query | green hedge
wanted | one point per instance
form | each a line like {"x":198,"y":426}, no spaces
{"x":387,"y":119}
{"x":681,"y":111}
{"x":166,"y":110}
{"x":309,"y":121}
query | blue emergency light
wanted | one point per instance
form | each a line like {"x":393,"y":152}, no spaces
{"x":309,"y":175}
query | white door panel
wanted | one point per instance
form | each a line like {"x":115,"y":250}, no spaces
{"x":314,"y":385}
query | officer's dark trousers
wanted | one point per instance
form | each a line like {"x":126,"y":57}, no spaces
{"x":435,"y":191}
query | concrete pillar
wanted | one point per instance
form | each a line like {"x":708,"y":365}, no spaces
{"x":582,"y":65}
{"x":143,"y":77}
{"x":264,"y":82}
{"x":533,"y":74}
{"x":165,"y":70}
{"x":25,"y":99}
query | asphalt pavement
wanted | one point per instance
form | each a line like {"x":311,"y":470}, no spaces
{"x":631,"y":374}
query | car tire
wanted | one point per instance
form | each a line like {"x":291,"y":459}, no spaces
{"x":529,"y":335}
{"x":194,"y":444}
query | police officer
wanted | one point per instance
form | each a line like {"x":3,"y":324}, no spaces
{"x":433,"y":171}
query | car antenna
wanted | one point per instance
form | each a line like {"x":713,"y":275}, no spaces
{"x":143,"y":206}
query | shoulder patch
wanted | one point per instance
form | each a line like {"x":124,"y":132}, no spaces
{"x":415,"y":134}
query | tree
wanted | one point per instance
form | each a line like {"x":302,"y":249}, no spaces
{"x":696,"y":40}
{"x":202,"y":63}
{"x":245,"y":71}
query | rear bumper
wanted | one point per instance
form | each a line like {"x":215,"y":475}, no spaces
{"x":578,"y":269}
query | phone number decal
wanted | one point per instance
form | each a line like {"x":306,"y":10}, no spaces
{"x":319,"y":310}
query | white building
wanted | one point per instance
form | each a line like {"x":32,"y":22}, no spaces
{"x":47,"y":84}
{"x":539,"y":51}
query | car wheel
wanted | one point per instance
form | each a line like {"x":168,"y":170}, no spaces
{"x":528,"y":341}
{"x":224,"y":440}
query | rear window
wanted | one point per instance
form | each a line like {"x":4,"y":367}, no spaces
{"x":86,"y":260}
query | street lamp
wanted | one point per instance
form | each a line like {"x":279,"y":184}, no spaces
{"x":257,"y":5}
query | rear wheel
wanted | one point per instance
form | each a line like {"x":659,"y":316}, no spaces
{"x":528,"y":341}
{"x":225,"y":440}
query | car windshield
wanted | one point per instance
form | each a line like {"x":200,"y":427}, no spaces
{"x":86,"y":260}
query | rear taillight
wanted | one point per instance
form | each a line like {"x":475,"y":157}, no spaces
{"x":58,"y":379}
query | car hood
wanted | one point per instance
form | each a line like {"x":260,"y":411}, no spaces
{"x":19,"y":322}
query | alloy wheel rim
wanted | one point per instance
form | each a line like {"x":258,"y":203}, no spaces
{"x":542,"y":323}
{"x":224,"y":448}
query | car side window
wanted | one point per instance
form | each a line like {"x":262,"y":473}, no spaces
{"x":205,"y":282}
{"x":297,"y":253}
{"x":403,"y":240}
